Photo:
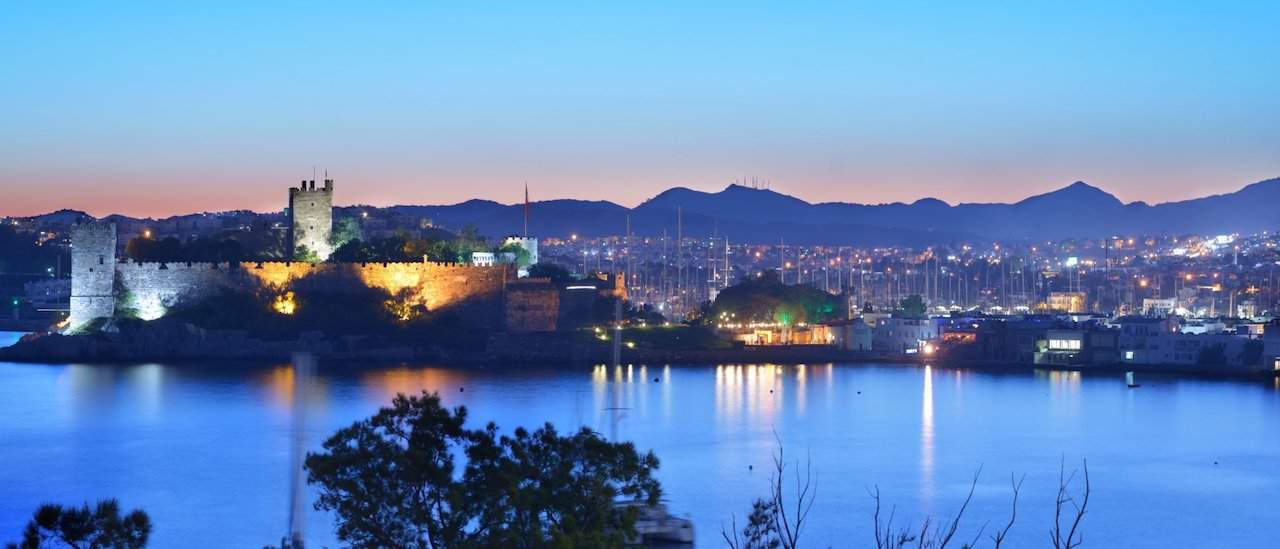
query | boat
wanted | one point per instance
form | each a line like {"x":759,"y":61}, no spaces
{"x":657,"y":527}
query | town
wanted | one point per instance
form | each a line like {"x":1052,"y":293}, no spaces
{"x":1192,"y":303}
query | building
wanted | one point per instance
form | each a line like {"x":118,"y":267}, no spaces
{"x":1271,"y":346}
{"x":1159,"y":307}
{"x":148,"y":290}
{"x":905,"y":335}
{"x":850,"y":335}
{"x":530,"y":244}
{"x":482,"y":259}
{"x":311,"y":220}
{"x":1086,"y":345}
{"x":1067,"y":302}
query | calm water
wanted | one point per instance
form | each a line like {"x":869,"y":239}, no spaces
{"x":204,"y":449}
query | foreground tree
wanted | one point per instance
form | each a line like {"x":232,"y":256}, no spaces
{"x":776,"y":521}
{"x":392,"y":481}
{"x":85,"y":528}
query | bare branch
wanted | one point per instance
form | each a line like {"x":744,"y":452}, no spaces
{"x":1074,"y":537}
{"x":1000,"y":536}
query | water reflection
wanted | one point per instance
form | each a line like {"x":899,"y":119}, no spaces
{"x":149,"y":381}
{"x":751,"y":393}
{"x":926,"y":437}
{"x":86,"y":391}
{"x":383,"y":385}
{"x":169,"y":438}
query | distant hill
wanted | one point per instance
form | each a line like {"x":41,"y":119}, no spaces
{"x":763,"y":216}
{"x":752,"y":215}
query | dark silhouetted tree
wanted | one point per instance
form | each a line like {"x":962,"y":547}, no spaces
{"x":84,"y":528}
{"x":392,"y":481}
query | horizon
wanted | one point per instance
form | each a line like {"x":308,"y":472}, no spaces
{"x":216,"y":107}
{"x":340,"y":204}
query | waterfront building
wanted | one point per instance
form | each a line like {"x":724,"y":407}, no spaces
{"x":1067,"y":302}
{"x":905,"y":334}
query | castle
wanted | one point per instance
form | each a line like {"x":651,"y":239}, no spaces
{"x":311,"y":220}
{"x":101,"y":284}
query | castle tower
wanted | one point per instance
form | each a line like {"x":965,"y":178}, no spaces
{"x":93,"y":272}
{"x":311,"y":219}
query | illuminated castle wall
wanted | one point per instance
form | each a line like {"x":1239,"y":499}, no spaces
{"x":101,"y":285}
{"x":311,"y":219}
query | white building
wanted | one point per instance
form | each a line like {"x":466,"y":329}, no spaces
{"x":482,"y":259}
{"x":530,"y":244}
{"x":905,"y":335}
{"x":851,"y":335}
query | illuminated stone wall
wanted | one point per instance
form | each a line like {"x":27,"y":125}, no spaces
{"x":311,"y":217}
{"x":93,"y":260}
{"x":151,"y":289}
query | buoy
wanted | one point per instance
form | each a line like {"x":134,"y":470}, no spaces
{"x":1128,"y":380}
{"x":656,"y":380}
{"x":461,"y":389}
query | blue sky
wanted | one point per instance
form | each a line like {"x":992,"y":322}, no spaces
{"x":156,"y":108}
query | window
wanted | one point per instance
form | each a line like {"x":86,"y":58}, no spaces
{"x":1064,"y":344}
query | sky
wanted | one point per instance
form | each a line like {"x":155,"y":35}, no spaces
{"x":158,"y":108}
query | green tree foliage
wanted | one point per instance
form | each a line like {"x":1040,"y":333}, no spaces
{"x":912,"y":306}
{"x":394,"y":480}
{"x":344,"y":231}
{"x":521,"y":254}
{"x":468,"y":242}
{"x":403,"y":248}
{"x":82,"y":527}
{"x":766,"y":299}
{"x":303,"y":253}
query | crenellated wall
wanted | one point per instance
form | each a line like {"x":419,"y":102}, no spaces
{"x":150,"y":289}
{"x":102,"y":286}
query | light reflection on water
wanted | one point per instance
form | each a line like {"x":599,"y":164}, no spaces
{"x":215,"y":438}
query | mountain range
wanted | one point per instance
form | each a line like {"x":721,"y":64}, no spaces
{"x":746,"y":214}
{"x":752,"y":215}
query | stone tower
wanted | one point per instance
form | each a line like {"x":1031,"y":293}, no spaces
{"x":93,"y":272}
{"x":311,"y":218}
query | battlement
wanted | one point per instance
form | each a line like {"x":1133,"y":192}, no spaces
{"x":310,"y":186}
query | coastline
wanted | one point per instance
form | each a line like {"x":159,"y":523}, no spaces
{"x":185,"y":343}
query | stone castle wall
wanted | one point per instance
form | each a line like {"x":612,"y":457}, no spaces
{"x":93,"y":260}
{"x":151,"y":289}
{"x":101,"y":285}
{"x":311,"y":218}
